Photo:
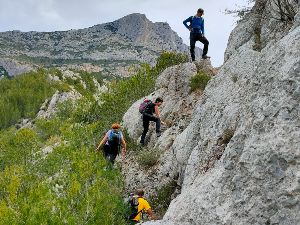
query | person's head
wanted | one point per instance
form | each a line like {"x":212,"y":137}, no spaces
{"x":158,"y":101}
{"x":116,"y":126}
{"x":140,"y":192}
{"x":200,"y":12}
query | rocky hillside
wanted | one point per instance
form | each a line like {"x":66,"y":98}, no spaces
{"x":232,"y":152}
{"x":110,"y":47}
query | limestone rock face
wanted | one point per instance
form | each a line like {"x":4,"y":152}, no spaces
{"x":238,"y":159}
{"x":14,"y":67}
{"x":174,"y":86}
{"x":49,"y":107}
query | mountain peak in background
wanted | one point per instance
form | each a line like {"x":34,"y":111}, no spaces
{"x":110,"y":47}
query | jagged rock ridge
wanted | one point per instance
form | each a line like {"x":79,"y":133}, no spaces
{"x":111,"y":46}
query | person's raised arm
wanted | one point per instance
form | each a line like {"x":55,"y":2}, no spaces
{"x":151,"y":214}
{"x":105,"y":138}
{"x":157,"y":113}
{"x":186,"y":21}
{"x":123,"y":142}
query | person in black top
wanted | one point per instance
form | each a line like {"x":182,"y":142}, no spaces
{"x":148,"y":116}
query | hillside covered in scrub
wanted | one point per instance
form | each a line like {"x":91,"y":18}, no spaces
{"x":51,"y":121}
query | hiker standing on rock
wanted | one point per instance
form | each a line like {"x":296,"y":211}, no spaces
{"x":196,"y":28}
{"x":147,"y":111}
{"x":112,"y":141}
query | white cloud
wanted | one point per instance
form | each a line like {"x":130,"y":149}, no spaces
{"x":50,"y":15}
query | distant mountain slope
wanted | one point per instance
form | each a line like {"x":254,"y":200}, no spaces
{"x":112,"y":46}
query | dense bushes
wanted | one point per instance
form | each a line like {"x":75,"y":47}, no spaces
{"x":22,"y":96}
{"x":67,"y":186}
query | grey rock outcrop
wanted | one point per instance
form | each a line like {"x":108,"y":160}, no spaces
{"x":49,"y":107}
{"x":14,"y":67}
{"x":239,"y":157}
{"x":174,"y":86}
{"x":111,"y":46}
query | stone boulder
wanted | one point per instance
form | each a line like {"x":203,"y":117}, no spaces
{"x":173,"y":85}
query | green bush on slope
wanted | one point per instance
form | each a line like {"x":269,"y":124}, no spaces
{"x":22,"y":96}
{"x":199,"y":81}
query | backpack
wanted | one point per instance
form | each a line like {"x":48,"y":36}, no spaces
{"x":133,"y":204}
{"x":144,"y":105}
{"x":191,"y":24}
{"x":114,"y":138}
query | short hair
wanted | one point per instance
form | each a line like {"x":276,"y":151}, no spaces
{"x":116,"y":126}
{"x":200,"y":10}
{"x":159,"y":99}
{"x":140,"y":192}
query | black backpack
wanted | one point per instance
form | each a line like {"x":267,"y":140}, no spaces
{"x":133,"y":204}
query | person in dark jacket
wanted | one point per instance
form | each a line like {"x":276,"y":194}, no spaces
{"x":152,"y":108}
{"x":196,"y":28}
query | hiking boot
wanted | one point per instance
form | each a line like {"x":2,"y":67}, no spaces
{"x":158,"y":134}
{"x":205,"y":57}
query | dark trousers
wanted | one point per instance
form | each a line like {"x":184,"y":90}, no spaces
{"x":110,"y":153}
{"x":198,"y":37}
{"x":146,"y":122}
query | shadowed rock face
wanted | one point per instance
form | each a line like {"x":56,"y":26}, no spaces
{"x":112,"y":46}
{"x":238,"y":158}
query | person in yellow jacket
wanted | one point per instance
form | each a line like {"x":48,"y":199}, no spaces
{"x":143,"y":206}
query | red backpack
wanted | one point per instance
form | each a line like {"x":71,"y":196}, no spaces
{"x":144,"y":105}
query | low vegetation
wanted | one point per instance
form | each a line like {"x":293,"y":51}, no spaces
{"x":22,"y":96}
{"x":199,"y":81}
{"x":148,"y":157}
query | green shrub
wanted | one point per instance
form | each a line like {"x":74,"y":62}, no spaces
{"x":148,"y":157}
{"x":168,"y":59}
{"x":199,"y":81}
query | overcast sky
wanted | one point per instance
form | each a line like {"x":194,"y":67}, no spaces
{"x":51,"y":15}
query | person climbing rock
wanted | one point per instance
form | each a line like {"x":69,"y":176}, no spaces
{"x":196,"y":28}
{"x":112,"y":141}
{"x":139,"y":206}
{"x":148,"y":116}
